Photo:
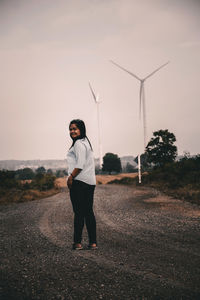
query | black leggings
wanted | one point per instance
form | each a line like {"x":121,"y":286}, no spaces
{"x":82,"y":195}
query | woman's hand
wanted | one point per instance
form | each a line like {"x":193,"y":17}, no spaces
{"x":69,"y":181}
{"x":75,"y":172}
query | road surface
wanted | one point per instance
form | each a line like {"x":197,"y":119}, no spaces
{"x":149,"y":248}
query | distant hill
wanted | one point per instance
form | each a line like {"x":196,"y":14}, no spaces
{"x":53,"y":164}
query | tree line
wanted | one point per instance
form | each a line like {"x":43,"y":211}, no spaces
{"x":27,"y":179}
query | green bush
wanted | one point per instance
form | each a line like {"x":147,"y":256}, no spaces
{"x":23,"y":174}
{"x":12,"y":179}
{"x":8,"y":180}
{"x":43,"y":182}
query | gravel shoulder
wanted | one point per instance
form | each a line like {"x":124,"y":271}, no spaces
{"x":149,"y":248}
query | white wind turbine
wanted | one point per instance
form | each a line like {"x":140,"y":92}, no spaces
{"x":142,"y":95}
{"x":97,"y":102}
{"x":142,"y":105}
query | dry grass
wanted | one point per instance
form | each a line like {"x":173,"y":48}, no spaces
{"x":61,"y":182}
{"x":101,"y":179}
{"x":104,"y":179}
{"x":17,"y":196}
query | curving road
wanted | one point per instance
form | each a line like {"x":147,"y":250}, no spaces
{"x":149,"y":248}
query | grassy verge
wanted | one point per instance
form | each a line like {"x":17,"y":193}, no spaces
{"x":14,"y":190}
{"x":189,"y":192}
{"x":17,"y":195}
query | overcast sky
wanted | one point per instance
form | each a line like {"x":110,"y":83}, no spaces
{"x":49,"y":50}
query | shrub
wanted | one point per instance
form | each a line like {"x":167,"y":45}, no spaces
{"x":26,"y":173}
{"x":43,"y":182}
{"x":8,"y":180}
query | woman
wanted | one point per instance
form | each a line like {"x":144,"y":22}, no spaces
{"x":81,"y":183}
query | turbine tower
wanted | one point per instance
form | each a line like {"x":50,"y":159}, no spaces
{"x":142,"y":95}
{"x":97,"y":102}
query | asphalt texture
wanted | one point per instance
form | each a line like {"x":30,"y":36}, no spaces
{"x":148,"y":248}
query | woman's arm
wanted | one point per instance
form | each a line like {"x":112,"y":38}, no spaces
{"x":74,"y":173}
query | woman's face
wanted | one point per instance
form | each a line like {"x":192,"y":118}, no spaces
{"x":74,"y":131}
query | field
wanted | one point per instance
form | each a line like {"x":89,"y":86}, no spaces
{"x":101,"y":179}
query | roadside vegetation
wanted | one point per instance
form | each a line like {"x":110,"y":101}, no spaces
{"x":179,"y":179}
{"x":25,"y":185}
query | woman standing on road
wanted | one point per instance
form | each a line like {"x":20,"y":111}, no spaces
{"x":81,"y":183}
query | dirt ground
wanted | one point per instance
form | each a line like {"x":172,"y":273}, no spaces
{"x":149,"y":248}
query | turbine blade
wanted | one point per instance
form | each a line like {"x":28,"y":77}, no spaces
{"x":156,"y":70}
{"x":125,"y":70}
{"x":94,"y":96}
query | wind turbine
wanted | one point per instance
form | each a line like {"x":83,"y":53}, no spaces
{"x":142,"y":105}
{"x":142,"y":95}
{"x":97,"y":102}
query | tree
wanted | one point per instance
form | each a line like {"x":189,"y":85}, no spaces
{"x":26,"y":173}
{"x":161,"y":149}
{"x":111,"y":163}
{"x":8,"y":180}
{"x":40,"y":170}
{"x":49,"y":171}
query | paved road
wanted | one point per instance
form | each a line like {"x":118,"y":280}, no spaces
{"x":149,"y":248}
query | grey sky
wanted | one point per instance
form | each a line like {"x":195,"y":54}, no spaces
{"x":49,"y":50}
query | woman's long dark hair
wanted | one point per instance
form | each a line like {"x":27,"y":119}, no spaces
{"x":81,"y":126}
